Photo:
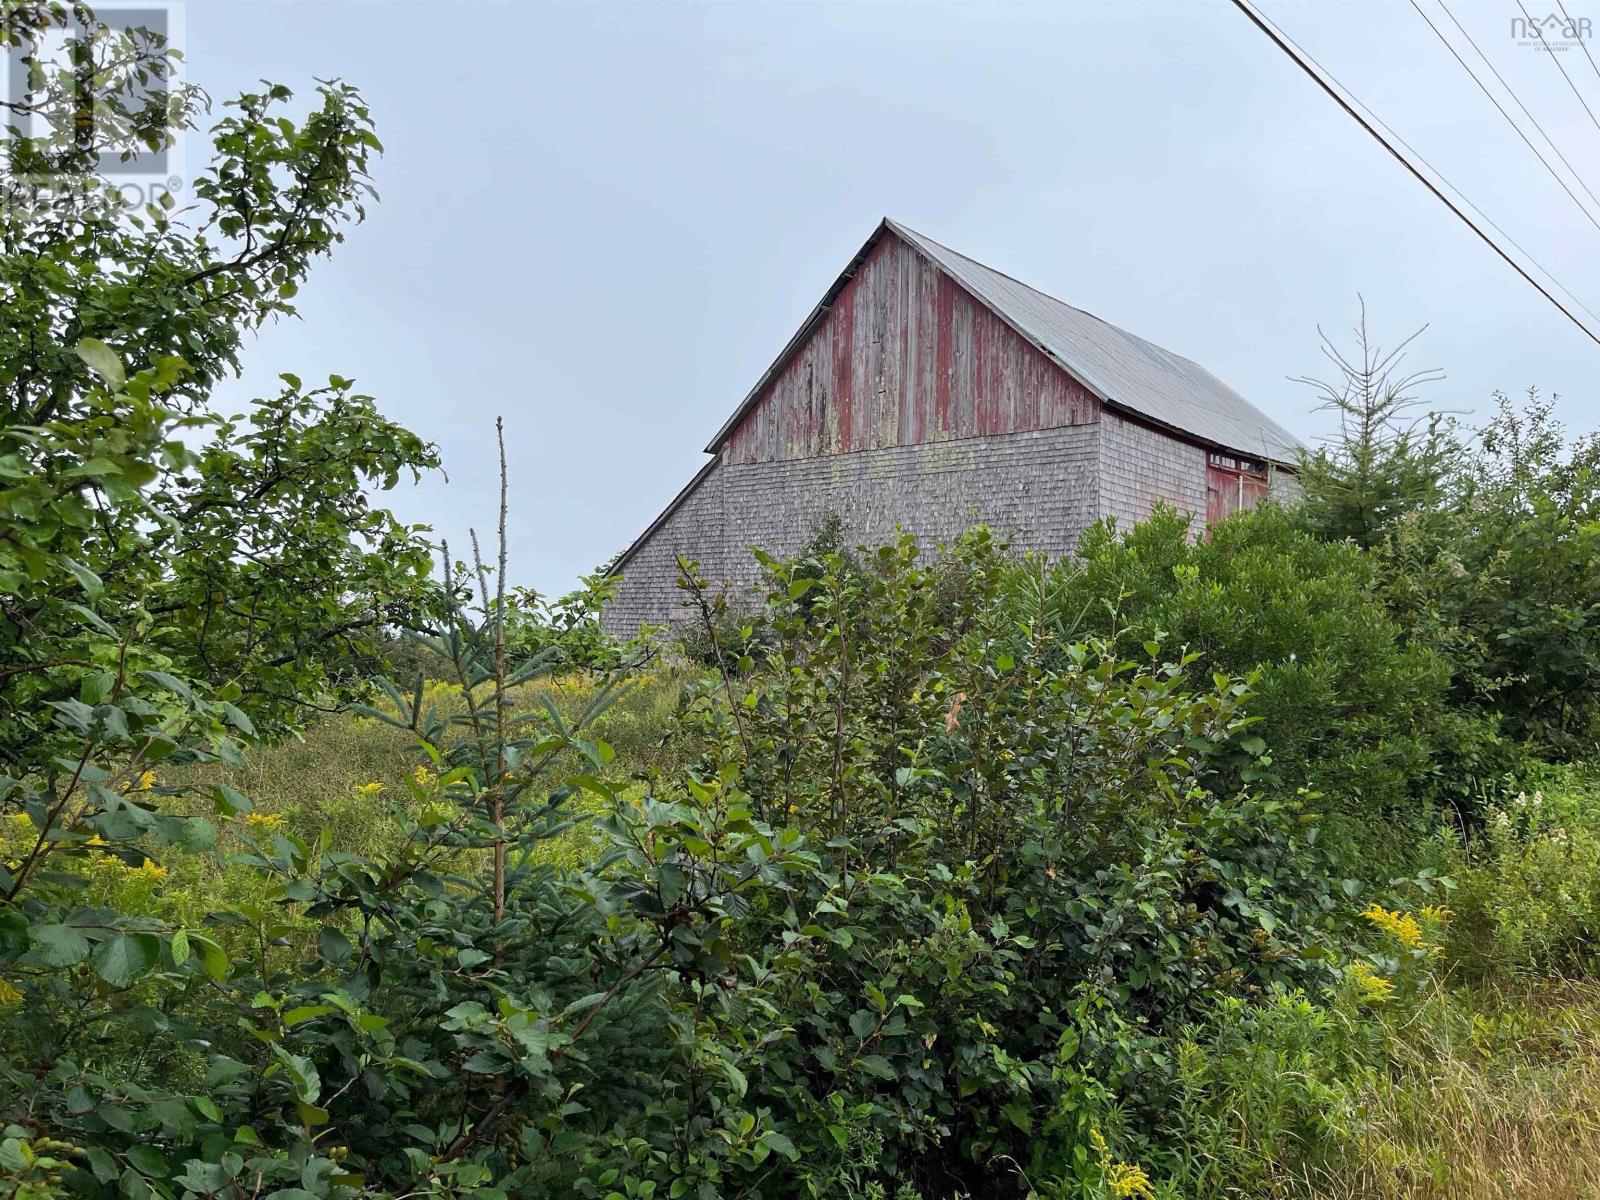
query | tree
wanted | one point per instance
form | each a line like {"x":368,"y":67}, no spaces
{"x":143,"y":530}
{"x":173,"y":583}
{"x":1504,"y":578}
{"x":1387,"y":458}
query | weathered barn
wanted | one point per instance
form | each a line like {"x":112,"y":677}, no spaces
{"x":931,"y":392}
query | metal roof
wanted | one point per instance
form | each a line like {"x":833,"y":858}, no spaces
{"x":1125,"y":371}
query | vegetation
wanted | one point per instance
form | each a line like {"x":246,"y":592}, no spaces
{"x":1261,"y":863}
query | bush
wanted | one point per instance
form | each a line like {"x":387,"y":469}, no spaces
{"x":932,"y":913}
{"x":1502,"y":579}
{"x":1345,"y":705}
{"x":1528,"y":896}
{"x":1056,"y":873}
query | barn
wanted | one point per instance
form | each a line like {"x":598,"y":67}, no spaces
{"x":931,"y":392}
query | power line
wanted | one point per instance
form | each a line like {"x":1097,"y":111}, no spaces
{"x":1406,"y":163}
{"x":1582,"y":45}
{"x":1539,"y":29}
{"x":1443,"y":178}
{"x":1509,"y":120}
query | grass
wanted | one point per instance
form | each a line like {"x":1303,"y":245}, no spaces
{"x":347,"y":772}
{"x":1490,"y":1091}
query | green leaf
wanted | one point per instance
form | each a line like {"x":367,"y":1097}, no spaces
{"x":239,"y":719}
{"x":171,"y":682}
{"x":307,"y":1012}
{"x":87,"y":579}
{"x":58,"y":945}
{"x":123,"y":957}
{"x":103,"y":361}
{"x":333,"y":945}
{"x":302,"y":1075}
{"x":213,"y":959}
{"x":778,"y":1142}
{"x":230,"y":801}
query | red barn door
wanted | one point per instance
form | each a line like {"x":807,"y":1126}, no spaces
{"x":1233,"y":483}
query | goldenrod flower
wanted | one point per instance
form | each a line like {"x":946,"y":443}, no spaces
{"x":151,"y":869}
{"x":1371,"y":987}
{"x":1402,"y":927}
{"x":146,"y":781}
{"x":369,"y":789}
{"x":1128,"y":1179}
{"x":263,"y":822}
{"x":423,"y":776}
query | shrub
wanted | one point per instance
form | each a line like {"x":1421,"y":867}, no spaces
{"x":1503,"y":580}
{"x":1528,"y":896}
{"x":569,"y":626}
{"x":1344,"y":704}
{"x":1043,"y":868}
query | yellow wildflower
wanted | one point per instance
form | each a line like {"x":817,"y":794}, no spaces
{"x":369,"y":789}
{"x":423,"y":776}
{"x":146,"y":781}
{"x":1129,"y":1179}
{"x":150,"y":869}
{"x":21,"y":822}
{"x":1436,"y":914}
{"x":9,"y":995}
{"x":1402,"y":927}
{"x":263,"y":822}
{"x":1371,"y":987}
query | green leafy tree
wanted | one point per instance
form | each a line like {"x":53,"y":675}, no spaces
{"x":143,"y":531}
{"x":174,"y":584}
{"x":1347,"y":704}
{"x":1505,"y":579}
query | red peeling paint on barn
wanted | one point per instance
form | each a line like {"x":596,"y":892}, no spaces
{"x":904,"y":355}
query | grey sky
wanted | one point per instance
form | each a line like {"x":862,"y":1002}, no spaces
{"x":604,"y":220}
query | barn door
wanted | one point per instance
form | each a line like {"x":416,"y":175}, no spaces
{"x":1233,"y":483}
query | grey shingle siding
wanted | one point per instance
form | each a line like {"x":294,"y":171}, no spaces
{"x":649,"y":591}
{"x":1139,"y":466}
{"x":1037,"y":489}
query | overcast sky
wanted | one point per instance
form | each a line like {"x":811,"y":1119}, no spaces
{"x":603,"y":220}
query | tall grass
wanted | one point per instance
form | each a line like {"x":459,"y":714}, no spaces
{"x":1489,"y":1091}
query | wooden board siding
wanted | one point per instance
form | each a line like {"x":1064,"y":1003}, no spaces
{"x":905,"y":356}
{"x":1233,"y":483}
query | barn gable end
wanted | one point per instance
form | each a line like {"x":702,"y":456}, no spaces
{"x":902,"y":355}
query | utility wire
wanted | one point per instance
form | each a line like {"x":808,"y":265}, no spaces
{"x":1443,"y":178}
{"x":1582,"y":45}
{"x":1509,"y":120}
{"x":1406,"y":163}
{"x":1539,"y":29}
